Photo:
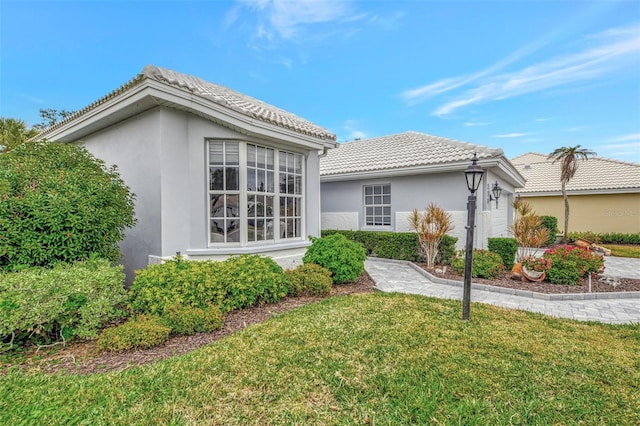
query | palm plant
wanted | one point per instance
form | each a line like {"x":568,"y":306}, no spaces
{"x":431,"y":226}
{"x":568,"y":158}
{"x":13,"y":133}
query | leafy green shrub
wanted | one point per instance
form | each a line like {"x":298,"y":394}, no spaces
{"x":506,"y":249}
{"x":606,"y":238}
{"x":140,"y":332}
{"x":398,"y":245}
{"x":485,"y":264}
{"x":235,"y":283}
{"x":308,"y":279}
{"x":187,"y":320}
{"x":344,"y":258}
{"x":59,"y":203}
{"x":563,"y":259}
{"x":39,"y":305}
{"x":446,"y":250}
{"x":551,"y":223}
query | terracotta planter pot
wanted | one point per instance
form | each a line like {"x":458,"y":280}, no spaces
{"x":533,"y":276}
{"x":516,"y":272}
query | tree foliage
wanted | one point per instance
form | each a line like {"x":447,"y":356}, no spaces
{"x":13,"y":133}
{"x":59,"y":203}
{"x":568,"y":156}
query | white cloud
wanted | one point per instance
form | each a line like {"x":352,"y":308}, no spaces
{"x":476,"y":123}
{"x":511,"y":135}
{"x":352,"y":131}
{"x":624,"y":138}
{"x":603,"y":54}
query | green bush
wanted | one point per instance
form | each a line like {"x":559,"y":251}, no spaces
{"x":485,"y":264}
{"x":551,"y":223}
{"x":59,"y":203}
{"x":235,"y":283}
{"x":40,"y":305}
{"x":344,"y":258}
{"x":446,"y":250}
{"x":396,"y":245}
{"x":308,"y":279}
{"x":187,"y":320}
{"x":506,"y":249}
{"x":605,"y":238}
{"x":141,"y":332}
{"x":565,"y":260}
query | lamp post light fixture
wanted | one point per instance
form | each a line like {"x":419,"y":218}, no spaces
{"x":496,"y":191}
{"x":473,"y":174}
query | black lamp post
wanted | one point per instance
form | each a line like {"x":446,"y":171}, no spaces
{"x":473,"y":174}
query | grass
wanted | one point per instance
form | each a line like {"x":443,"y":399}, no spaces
{"x":369,"y":359}
{"x":623,"y":250}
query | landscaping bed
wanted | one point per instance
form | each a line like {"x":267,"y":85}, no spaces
{"x":504,"y":280}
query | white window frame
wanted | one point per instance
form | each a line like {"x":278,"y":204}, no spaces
{"x":244,"y":193}
{"x":368,"y":203}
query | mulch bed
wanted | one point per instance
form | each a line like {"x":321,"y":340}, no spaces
{"x":85,"y":357}
{"x":504,"y":280}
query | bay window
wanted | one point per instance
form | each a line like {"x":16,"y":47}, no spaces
{"x":246,"y":206}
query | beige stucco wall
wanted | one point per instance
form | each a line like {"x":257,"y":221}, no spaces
{"x":596,"y":213}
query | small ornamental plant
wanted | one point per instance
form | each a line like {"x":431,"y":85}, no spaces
{"x":538,"y":264}
{"x":485,"y":264}
{"x":578,"y":261}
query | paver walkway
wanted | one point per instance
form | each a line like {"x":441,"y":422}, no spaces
{"x":403,"y":277}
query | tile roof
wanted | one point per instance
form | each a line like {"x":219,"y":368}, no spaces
{"x":403,"y":150}
{"x":221,"y":95}
{"x":594,"y":174}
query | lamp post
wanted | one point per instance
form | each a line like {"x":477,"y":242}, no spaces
{"x":473,"y":174}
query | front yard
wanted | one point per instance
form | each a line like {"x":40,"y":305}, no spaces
{"x":362,"y":359}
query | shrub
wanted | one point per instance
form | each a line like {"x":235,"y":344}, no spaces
{"x":344,"y":258}
{"x":40,"y":305}
{"x":59,"y":203}
{"x":446,"y":250}
{"x":141,"y":332}
{"x":538,"y":264}
{"x":398,"y":245}
{"x":431,"y":226}
{"x":527,"y":229}
{"x":563,"y":259}
{"x":506,"y":249}
{"x":308,"y":279}
{"x":187,"y":320}
{"x":606,"y":238}
{"x":485,"y":264}
{"x":551,"y":224}
{"x":236,"y":283}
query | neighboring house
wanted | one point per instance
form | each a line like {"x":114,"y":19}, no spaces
{"x":374,"y":184}
{"x":604,"y":194}
{"x":215,"y":172}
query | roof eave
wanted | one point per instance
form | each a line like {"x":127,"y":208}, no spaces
{"x":578,"y":192}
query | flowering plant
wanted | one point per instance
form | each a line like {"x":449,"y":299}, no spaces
{"x":538,"y":264}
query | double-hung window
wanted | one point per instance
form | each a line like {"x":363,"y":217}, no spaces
{"x":255,"y":193}
{"x":377,"y":205}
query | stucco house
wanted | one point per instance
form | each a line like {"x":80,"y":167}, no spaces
{"x":604,"y":194}
{"x":374,"y":184}
{"x":216,"y":173}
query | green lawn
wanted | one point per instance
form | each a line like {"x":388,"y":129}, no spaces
{"x":623,"y":250}
{"x":369,"y":359}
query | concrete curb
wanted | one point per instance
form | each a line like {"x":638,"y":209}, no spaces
{"x":514,"y":292}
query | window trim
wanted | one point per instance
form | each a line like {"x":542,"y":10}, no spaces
{"x":373,"y":226}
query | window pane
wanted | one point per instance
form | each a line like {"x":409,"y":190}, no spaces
{"x":233,"y":231}
{"x":282,"y":158}
{"x":217,"y":230}
{"x":233,"y":207}
{"x":386,"y":211}
{"x":377,"y":189}
{"x":233,"y":179}
{"x":368,"y":190}
{"x":289,"y":162}
{"x":290,"y":185}
{"x":215,"y":153}
{"x":261,"y":155}
{"x":251,"y":179}
{"x":296,"y":227}
{"x":270,"y":182}
{"x":298,"y":185}
{"x":251,"y":206}
{"x":369,"y":211}
{"x":260,"y":229}
{"x":262,"y":180}
{"x":386,"y":189}
{"x":296,"y":209}
{"x":298,"y":163}
{"x":269,"y":229}
{"x":386,"y":199}
{"x":215,"y":179}
{"x":251,"y":155}
{"x":268,"y":206}
{"x":270,"y":159}
{"x":232,"y":154}
{"x":217,"y":205}
{"x":378,"y":211}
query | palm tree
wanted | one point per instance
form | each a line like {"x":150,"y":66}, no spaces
{"x":568,"y":157}
{"x":13,"y":133}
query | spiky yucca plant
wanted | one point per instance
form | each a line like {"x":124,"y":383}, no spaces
{"x":431,"y":225}
{"x":527,"y":229}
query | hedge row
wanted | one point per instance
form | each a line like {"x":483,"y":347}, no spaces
{"x":397,"y":245}
{"x":605,"y":238}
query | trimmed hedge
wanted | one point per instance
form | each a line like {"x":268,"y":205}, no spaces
{"x":396,"y":245}
{"x":551,"y":223}
{"x":506,"y":249}
{"x":308,"y":279}
{"x":40,"y":306}
{"x":141,"y":332}
{"x":605,"y":238}
{"x":485,"y":264}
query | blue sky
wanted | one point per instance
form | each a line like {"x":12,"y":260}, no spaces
{"x":519,"y":75}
